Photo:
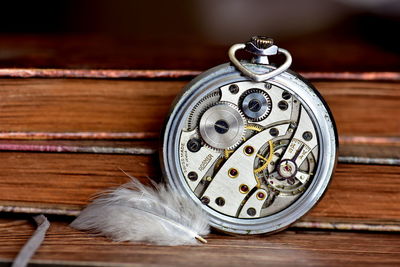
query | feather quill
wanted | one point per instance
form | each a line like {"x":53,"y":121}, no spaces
{"x":135,"y":212}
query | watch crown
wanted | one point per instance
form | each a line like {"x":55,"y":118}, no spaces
{"x":262,"y":42}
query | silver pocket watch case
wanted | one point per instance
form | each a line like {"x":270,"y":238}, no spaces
{"x":254,"y":145}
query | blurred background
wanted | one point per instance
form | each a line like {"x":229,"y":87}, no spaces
{"x":330,"y":35}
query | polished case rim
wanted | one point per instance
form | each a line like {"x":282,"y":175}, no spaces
{"x":305,"y":92}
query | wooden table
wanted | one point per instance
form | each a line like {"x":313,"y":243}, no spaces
{"x":66,"y":128}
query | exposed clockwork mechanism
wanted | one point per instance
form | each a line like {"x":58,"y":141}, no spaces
{"x":239,"y":159}
{"x":257,"y":155}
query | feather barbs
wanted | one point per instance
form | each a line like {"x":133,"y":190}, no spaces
{"x":136,"y":212}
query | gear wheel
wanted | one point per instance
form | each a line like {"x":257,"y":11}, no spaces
{"x":200,"y":107}
{"x":255,"y":104}
{"x":276,"y":179}
{"x":222,"y":126}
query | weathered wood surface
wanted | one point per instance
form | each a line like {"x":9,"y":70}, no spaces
{"x":349,"y":152}
{"x":73,"y":109}
{"x":66,"y":246}
{"x":87,"y":108}
{"x":59,"y":177}
{"x":62,"y":180}
{"x":62,"y":183}
{"x":177,"y":74}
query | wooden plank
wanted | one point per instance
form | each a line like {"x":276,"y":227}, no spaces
{"x":86,"y":108}
{"x":127,"y":147}
{"x":50,"y":180}
{"x":362,"y":192}
{"x":388,"y":154}
{"x":63,"y":183}
{"x":70,"y":105}
{"x":174,"y":74}
{"x":363,"y":108}
{"x":66,"y":246}
{"x":378,"y":154}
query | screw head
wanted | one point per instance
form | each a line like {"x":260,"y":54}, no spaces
{"x":220,"y":201}
{"x":274,"y":132}
{"x":251,"y":211}
{"x":193,"y":176}
{"x":234,"y":89}
{"x":194,"y":145}
{"x":255,"y":105}
{"x":205,"y":200}
{"x":221,"y":126}
{"x":286,"y":95}
{"x":283,"y":105}
{"x":307,"y":136}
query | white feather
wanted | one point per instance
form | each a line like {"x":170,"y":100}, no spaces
{"x":135,"y":212}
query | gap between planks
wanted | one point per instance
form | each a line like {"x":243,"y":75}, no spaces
{"x":356,"y":156}
{"x":66,"y":246}
{"x":175,"y":74}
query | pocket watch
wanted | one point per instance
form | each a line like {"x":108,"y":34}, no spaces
{"x":254,"y":144}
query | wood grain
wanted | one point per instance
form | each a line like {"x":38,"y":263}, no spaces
{"x":67,"y":246}
{"x":364,"y":108}
{"x":53,"y":180}
{"x":362,"y":192}
{"x":64,"y":183}
{"x":176,"y":74}
{"x":68,"y":106}
{"x":62,"y":105}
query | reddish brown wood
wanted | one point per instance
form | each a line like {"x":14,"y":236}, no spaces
{"x":364,"y":108}
{"x":362,"y":192}
{"x":62,"y":181}
{"x":370,"y":140}
{"x":360,"y":196}
{"x":371,"y":153}
{"x":86,"y":108}
{"x":49,"y":180}
{"x":115,"y":74}
{"x":67,"y":246}
{"x":77,"y":135}
{"x":137,"y":147}
{"x":67,"y":106}
{"x":173,"y":74}
{"x":362,"y":76}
